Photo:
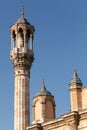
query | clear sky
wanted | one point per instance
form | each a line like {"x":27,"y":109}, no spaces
{"x":60,"y":45}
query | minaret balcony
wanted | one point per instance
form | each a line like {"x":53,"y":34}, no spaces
{"x":16,"y":50}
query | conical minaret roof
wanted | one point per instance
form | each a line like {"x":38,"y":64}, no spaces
{"x":76,"y":79}
{"x":22,"y":19}
{"x":43,"y":91}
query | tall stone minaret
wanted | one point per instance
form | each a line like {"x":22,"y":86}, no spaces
{"x":22,"y":56}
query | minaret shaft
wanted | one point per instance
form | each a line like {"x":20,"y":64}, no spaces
{"x":22,"y":64}
{"x":21,"y":108}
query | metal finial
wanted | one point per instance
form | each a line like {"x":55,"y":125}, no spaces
{"x":75,"y":73}
{"x":75,"y":70}
{"x":43,"y":85}
{"x":22,"y":13}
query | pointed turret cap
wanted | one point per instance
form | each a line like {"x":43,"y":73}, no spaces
{"x":43,"y":91}
{"x":22,"y":20}
{"x":75,"y":79}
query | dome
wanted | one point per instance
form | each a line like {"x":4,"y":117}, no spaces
{"x":22,"y":20}
{"x":75,"y":79}
{"x":43,"y":91}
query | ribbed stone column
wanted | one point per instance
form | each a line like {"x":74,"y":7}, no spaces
{"x":21,"y":102}
{"x":22,"y":63}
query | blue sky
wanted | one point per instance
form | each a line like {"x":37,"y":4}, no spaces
{"x":60,"y":45}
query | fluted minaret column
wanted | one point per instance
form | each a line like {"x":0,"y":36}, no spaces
{"x":22,"y":57}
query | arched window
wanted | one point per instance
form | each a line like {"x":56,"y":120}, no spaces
{"x":28,"y":33}
{"x":14,"y":38}
{"x":13,"y":35}
{"x":20,"y":38}
{"x":21,"y":32}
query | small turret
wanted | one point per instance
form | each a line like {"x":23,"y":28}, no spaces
{"x":75,"y":92}
{"x":43,"y":106}
{"x":76,"y":80}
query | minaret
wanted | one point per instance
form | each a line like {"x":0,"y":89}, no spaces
{"x":22,"y":56}
{"x":43,"y":106}
{"x":76,"y":92}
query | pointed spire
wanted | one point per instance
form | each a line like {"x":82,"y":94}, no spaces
{"x":75,"y":74}
{"x":75,"y":79}
{"x":22,"y":13}
{"x":43,"y":86}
